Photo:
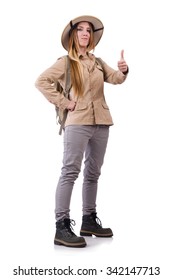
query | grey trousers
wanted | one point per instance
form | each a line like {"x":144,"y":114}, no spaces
{"x":90,"y":140}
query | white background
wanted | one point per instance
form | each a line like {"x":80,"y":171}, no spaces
{"x":134,"y":196}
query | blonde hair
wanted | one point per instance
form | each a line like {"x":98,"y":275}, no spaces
{"x":75,"y":64}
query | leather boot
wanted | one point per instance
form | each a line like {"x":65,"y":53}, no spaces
{"x":91,"y":225}
{"x":65,"y":235}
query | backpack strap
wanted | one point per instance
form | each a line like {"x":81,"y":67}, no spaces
{"x":66,"y":90}
{"x":100,"y":62}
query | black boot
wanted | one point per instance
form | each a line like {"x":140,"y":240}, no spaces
{"x":91,"y":225}
{"x":65,"y":235}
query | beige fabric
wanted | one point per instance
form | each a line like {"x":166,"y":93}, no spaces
{"x":91,"y":108}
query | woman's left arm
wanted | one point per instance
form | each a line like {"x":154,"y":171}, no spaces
{"x":113,"y":76}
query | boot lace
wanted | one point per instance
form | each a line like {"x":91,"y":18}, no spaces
{"x":68,"y":226}
{"x":96,"y":220}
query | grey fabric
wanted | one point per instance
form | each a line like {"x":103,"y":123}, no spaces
{"x":90,"y":140}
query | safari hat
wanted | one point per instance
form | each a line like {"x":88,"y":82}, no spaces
{"x":97,"y":29}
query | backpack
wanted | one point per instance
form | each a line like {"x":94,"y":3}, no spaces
{"x":61,"y":115}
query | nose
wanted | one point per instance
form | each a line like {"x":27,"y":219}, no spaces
{"x":85,"y":33}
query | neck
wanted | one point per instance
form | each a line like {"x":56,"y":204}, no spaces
{"x":83,"y":51}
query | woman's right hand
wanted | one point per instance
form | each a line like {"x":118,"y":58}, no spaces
{"x":71,"y":106}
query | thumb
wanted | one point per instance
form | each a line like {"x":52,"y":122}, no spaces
{"x":122,"y":55}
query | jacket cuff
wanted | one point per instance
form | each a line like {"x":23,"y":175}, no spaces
{"x":64,"y":103}
{"x":126,"y":72}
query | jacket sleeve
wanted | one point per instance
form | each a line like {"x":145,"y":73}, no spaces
{"x":46,"y":84}
{"x":111,"y":75}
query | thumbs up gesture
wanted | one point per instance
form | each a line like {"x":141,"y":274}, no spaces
{"x":122,"y":65}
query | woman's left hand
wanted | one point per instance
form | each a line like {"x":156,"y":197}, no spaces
{"x":122,"y":65}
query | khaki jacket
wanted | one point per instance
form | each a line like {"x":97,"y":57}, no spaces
{"x":91,"y":108}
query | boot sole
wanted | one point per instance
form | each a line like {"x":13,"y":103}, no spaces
{"x":74,"y":245}
{"x":90,"y":233}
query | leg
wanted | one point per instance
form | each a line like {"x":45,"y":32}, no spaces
{"x":94,"y":157}
{"x":96,"y":148}
{"x":75,"y":142}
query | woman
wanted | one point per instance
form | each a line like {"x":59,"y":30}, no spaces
{"x":87,"y":125}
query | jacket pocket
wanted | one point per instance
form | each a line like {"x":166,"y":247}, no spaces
{"x":105,"y":106}
{"x":81,"y":106}
{"x":99,"y":67}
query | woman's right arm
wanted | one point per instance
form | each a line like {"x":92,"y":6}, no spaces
{"x":46,"y":84}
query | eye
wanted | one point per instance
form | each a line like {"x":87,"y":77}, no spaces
{"x":79,"y":29}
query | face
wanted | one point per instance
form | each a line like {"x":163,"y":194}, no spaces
{"x":83,"y":34}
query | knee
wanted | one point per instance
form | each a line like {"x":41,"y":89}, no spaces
{"x":70,"y":173}
{"x":91,"y":175}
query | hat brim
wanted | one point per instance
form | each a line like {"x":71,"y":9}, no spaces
{"x":97,"y":24}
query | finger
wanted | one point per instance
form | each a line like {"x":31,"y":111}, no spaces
{"x":122,"y":55}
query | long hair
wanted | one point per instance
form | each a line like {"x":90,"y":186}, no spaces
{"x":75,"y":64}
